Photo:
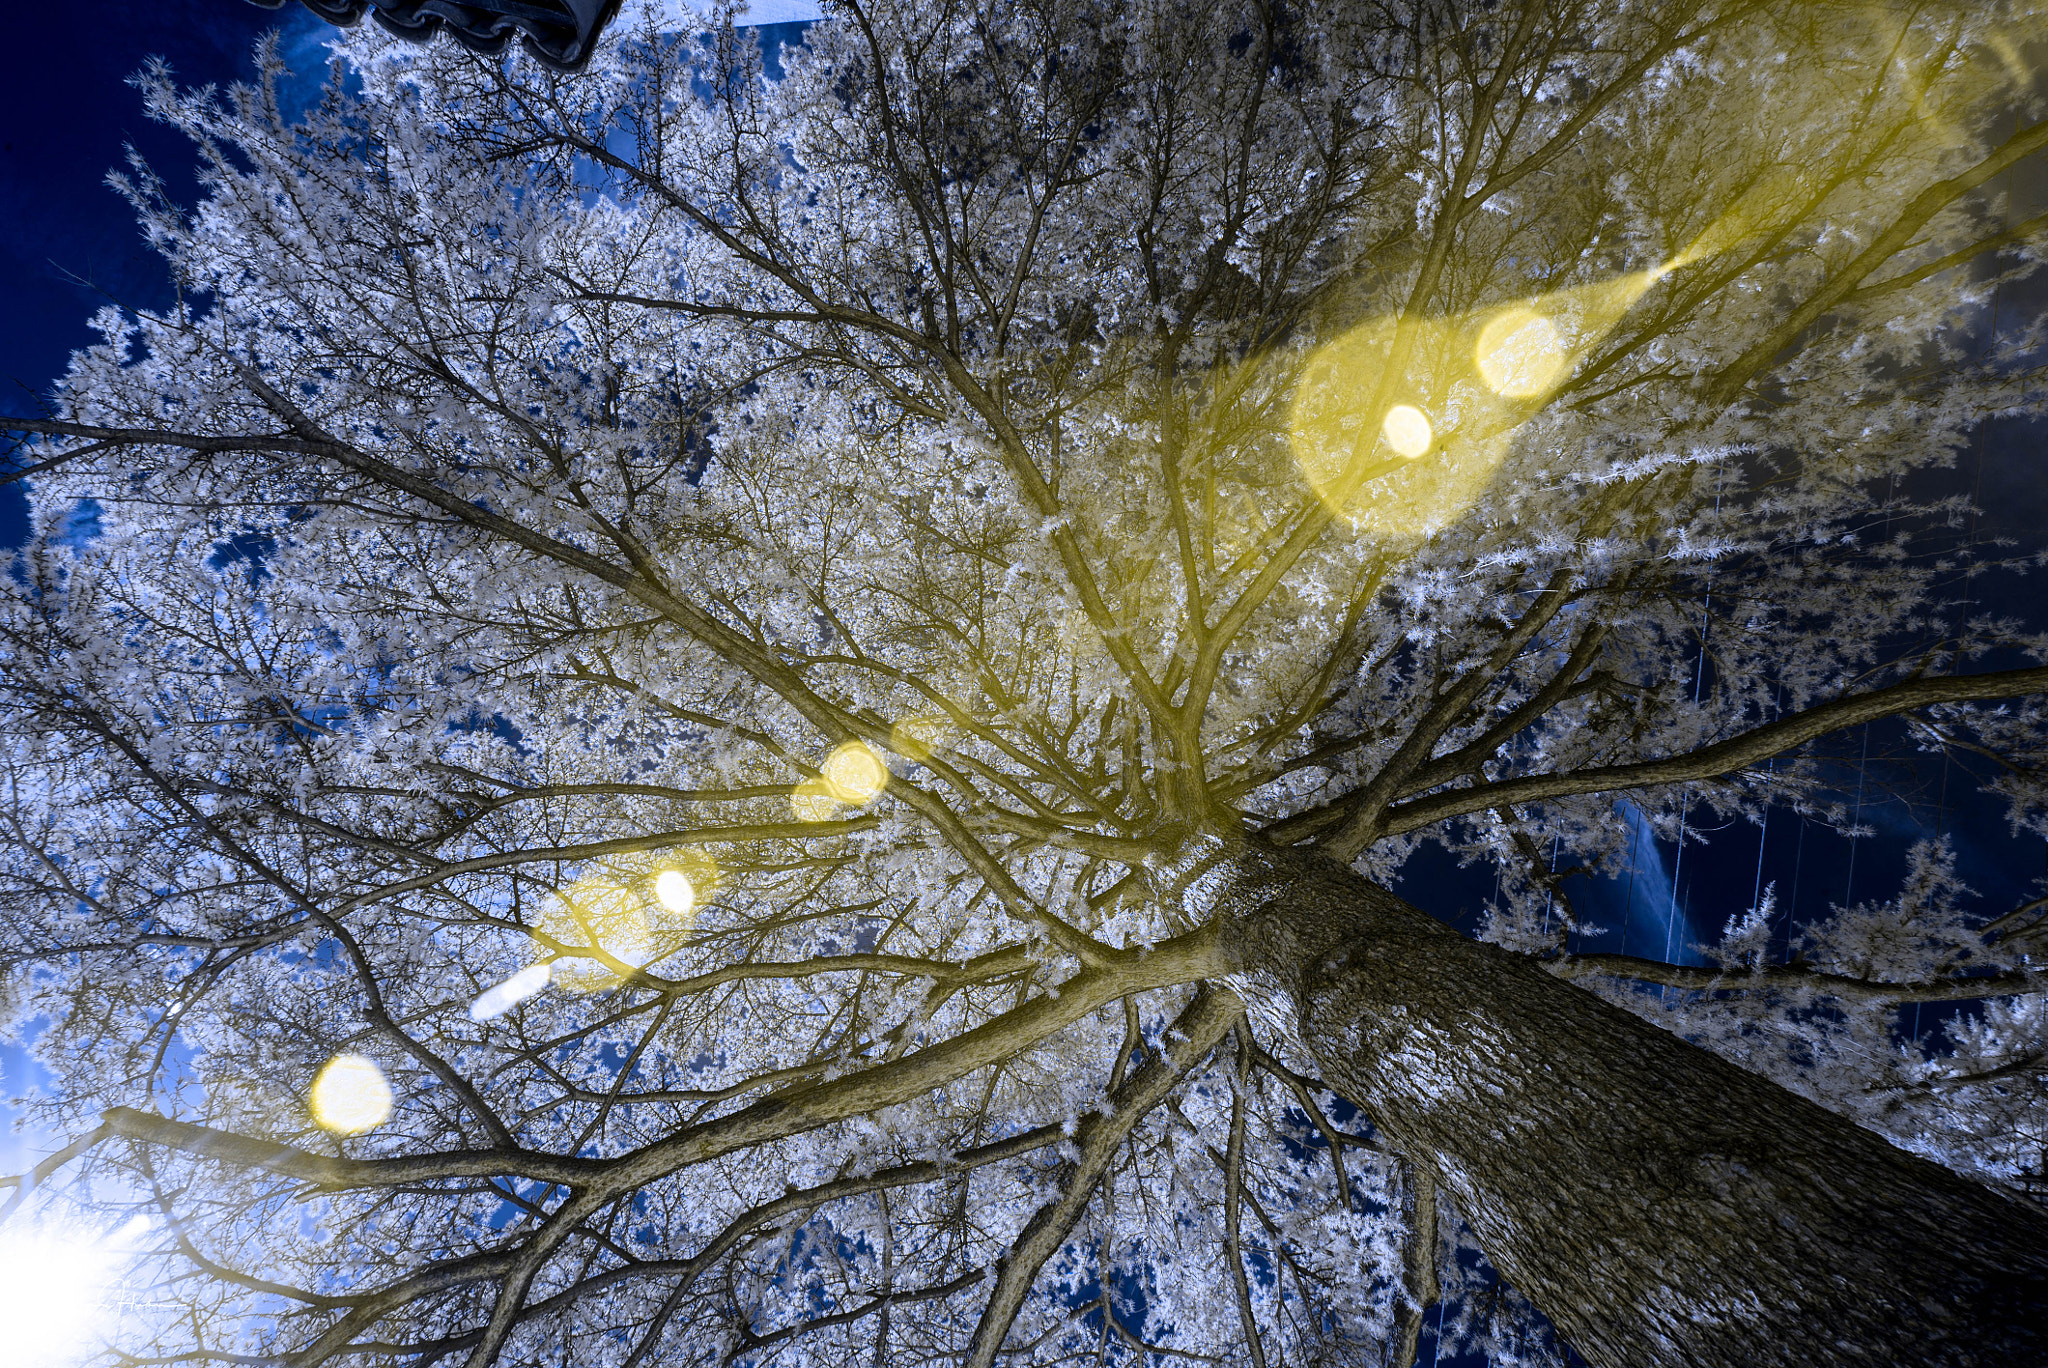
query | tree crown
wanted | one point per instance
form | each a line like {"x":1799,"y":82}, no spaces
{"x":708,"y":628}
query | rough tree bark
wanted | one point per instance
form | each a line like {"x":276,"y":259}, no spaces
{"x":1661,"y":1205}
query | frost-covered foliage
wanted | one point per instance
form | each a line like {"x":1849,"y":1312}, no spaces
{"x":543,"y":478}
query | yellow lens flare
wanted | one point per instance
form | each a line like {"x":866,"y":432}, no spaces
{"x":605,"y":915}
{"x":350,"y":1095}
{"x":1520,"y":354}
{"x":921,"y":737}
{"x":623,"y":913}
{"x":1406,"y":429}
{"x":1329,"y":417}
{"x":1483,"y":374}
{"x":853,"y":776}
{"x":683,"y":885}
{"x":856,"y":773}
{"x":812,"y":801}
{"x":1913,"y":69}
{"x":2014,"y":65}
{"x":1363,"y":457}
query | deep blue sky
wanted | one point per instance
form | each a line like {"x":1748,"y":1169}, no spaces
{"x":67,"y":242}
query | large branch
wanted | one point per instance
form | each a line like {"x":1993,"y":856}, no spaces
{"x":1009,"y":959}
{"x":623,"y":845}
{"x":881,"y":1302}
{"x":1795,"y":976}
{"x":199,"y":443}
{"x":1184,"y":959}
{"x":328,"y":1172}
{"x":1962,"y":256}
{"x":1233,"y":1242}
{"x":26,"y":1183}
{"x":1722,"y":757}
{"x":1186,"y":1043}
{"x":1420,"y":1285}
{"x":1361,"y":828}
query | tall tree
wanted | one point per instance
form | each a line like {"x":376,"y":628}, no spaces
{"x":683,"y":717}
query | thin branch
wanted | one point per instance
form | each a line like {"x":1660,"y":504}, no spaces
{"x":2023,"y":143}
{"x":26,"y":1183}
{"x":1185,"y":1044}
{"x":1233,"y":1251}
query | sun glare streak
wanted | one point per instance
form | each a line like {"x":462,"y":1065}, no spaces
{"x":54,"y":1292}
{"x":1475,"y":379}
{"x":350,"y":1095}
{"x":1406,"y":429}
{"x":1921,"y":74}
{"x":1520,"y":354}
{"x":1753,"y":213}
{"x":502,"y":998}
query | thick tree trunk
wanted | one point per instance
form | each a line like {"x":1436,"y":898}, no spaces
{"x":1661,"y":1205}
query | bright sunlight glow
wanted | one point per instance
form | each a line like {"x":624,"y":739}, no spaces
{"x":855,"y":773}
{"x":608,"y":911}
{"x":350,"y":1095}
{"x":675,"y":891}
{"x":683,"y":885}
{"x":53,"y":1294}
